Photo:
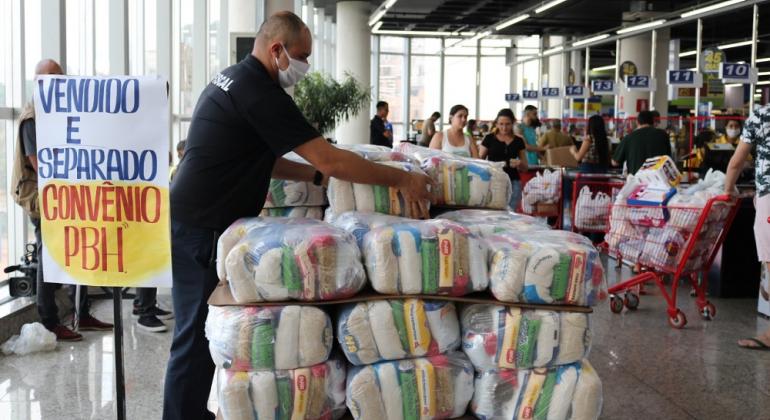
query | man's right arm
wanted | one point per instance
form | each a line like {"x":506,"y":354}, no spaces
{"x":29,"y":140}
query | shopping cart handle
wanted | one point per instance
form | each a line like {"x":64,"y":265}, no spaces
{"x":722,"y":197}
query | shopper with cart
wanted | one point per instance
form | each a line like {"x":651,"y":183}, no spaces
{"x":755,"y":135}
{"x":594,"y":154}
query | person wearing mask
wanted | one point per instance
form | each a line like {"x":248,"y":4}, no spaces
{"x":594,"y":154}
{"x":243,"y":123}
{"x":453,"y":140}
{"x":641,"y":144}
{"x":46,"y":292}
{"x":429,"y":129}
{"x":732,"y":134}
{"x":504,"y":146}
{"x":378,"y":133}
{"x":527,"y":130}
{"x":554,"y":137}
{"x":755,"y":135}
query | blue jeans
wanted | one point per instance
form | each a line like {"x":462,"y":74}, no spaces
{"x":515,"y":195}
{"x":190,"y":369}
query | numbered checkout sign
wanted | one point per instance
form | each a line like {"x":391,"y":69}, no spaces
{"x":575,"y":91}
{"x":737,"y":73}
{"x":529,"y":94}
{"x":640,"y":83}
{"x":512,"y":97}
{"x":603,"y":87}
{"x":685,"y":78}
{"x":550,"y":92}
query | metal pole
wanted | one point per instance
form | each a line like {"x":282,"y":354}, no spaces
{"x":698,"y":47}
{"x":653,"y":65}
{"x":120,"y":383}
{"x":754,"y":27}
{"x":76,"y":317}
{"x":539,"y":86}
{"x":586,"y":82}
{"x":617,"y":81}
{"x":564,"y":76}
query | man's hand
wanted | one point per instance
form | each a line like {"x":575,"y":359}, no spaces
{"x":387,"y":134}
{"x":416,"y":190}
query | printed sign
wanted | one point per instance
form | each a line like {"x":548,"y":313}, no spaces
{"x":529,"y":94}
{"x":103,"y":152}
{"x":576,"y":91}
{"x":603,"y":87}
{"x":640,"y":83}
{"x":628,"y":68}
{"x":711,"y":60}
{"x":685,"y":78}
{"x":512,"y":97}
{"x":737,"y":73}
{"x":550,"y":92}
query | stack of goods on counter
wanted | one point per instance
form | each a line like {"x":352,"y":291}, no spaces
{"x":653,"y":217}
{"x":294,"y":198}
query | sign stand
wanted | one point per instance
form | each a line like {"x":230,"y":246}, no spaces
{"x":120,"y":382}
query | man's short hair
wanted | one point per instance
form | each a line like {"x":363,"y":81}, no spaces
{"x":381,"y":105}
{"x":645,"y":118}
{"x":180,"y":146}
{"x":436,"y":115}
{"x":284,"y":25}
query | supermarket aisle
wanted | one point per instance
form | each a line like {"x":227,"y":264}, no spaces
{"x":649,"y":370}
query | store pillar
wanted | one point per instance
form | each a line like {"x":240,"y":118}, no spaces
{"x":353,"y":56}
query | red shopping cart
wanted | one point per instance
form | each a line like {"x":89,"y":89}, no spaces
{"x":592,"y":198}
{"x":541,"y":196}
{"x":680,"y":241}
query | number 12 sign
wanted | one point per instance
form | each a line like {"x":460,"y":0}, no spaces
{"x":737,"y":73}
{"x":685,"y":78}
{"x":640,"y":83}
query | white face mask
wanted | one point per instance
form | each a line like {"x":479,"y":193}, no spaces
{"x":733,"y":132}
{"x":294,"y":73}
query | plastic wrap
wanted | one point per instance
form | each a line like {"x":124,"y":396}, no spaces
{"x":346,"y":196}
{"x":308,"y":260}
{"x":34,"y":337}
{"x":544,"y":188}
{"x":376,"y":153}
{"x":360,"y":223}
{"x":437,"y":387}
{"x":316,"y":213}
{"x":313,"y":393}
{"x":545,"y":267}
{"x":282,"y":193}
{"x":487,"y":222}
{"x":571,"y":391}
{"x":501,"y":337}
{"x":425,"y":257}
{"x":271,"y":337}
{"x":370,"y":332}
{"x":592,"y":211}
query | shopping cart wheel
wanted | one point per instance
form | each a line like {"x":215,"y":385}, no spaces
{"x":631,"y":300}
{"x":709,"y":311}
{"x":678,"y":321}
{"x":616,"y":304}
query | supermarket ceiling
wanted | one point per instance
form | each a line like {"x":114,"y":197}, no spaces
{"x":578,"y":18}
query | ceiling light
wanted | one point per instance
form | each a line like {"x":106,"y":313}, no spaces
{"x":467,"y":33}
{"x":553,"y":50}
{"x":763,"y":73}
{"x":612,"y":67}
{"x":377,"y":26}
{"x":710,"y":8}
{"x":590,"y":40}
{"x":640,"y":27}
{"x":549,"y":5}
{"x":423,"y":33}
{"x":390,"y":3}
{"x":733,"y":85}
{"x":764,"y":82}
{"x":377,"y":16}
{"x":693,"y":69}
{"x":688,"y":53}
{"x":735,"y":44}
{"x":763,"y":60}
{"x":510,"y":22}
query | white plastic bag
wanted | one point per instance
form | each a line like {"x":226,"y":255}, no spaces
{"x":34,"y":338}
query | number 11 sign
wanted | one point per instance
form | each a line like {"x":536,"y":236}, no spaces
{"x":685,"y":78}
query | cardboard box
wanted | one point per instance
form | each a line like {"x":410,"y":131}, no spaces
{"x":560,"y":156}
{"x":546,"y":209}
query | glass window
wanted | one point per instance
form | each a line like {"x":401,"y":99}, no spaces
{"x":459,"y":46}
{"x":102,"y":38}
{"x":424,"y":87}
{"x":426,"y":45}
{"x":459,"y":84}
{"x":392,"y":44}
{"x":392,"y":85}
{"x":5,"y":132}
{"x":495,"y":78}
{"x":186,"y":61}
{"x":494,"y":46}
{"x":150,"y":37}
{"x":214,"y":25}
{"x":32,"y":42}
{"x":5,"y":54}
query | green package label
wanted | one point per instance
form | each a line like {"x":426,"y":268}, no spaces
{"x":544,"y":401}
{"x":285,"y":397}
{"x":561,"y":277}
{"x":461,"y":187}
{"x":381,"y":199}
{"x":430,"y":265}
{"x":289,"y":270}
{"x":409,"y":396}
{"x":278,"y":195}
{"x":262,"y":345}
{"x":527,"y":343}
{"x":397,"y":307}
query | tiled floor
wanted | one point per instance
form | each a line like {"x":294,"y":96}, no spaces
{"x":649,"y":370}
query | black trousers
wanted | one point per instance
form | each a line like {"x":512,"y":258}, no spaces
{"x":146,"y":299}
{"x":46,"y":298}
{"x":190,"y":369}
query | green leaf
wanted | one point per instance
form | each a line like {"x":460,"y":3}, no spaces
{"x":325,"y":102}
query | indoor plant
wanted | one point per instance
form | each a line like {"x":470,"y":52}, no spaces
{"x":325,"y":102}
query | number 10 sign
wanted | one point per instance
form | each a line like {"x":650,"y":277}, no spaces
{"x":737,"y":73}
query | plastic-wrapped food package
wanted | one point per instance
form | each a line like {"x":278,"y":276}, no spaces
{"x":547,"y":267}
{"x":271,"y":337}
{"x":418,"y":152}
{"x":468,"y":182}
{"x":544,"y":188}
{"x":312,"y":393}
{"x":376,"y":153}
{"x":501,"y":337}
{"x":346,"y":196}
{"x":360,"y":223}
{"x":283,"y":193}
{"x":308,"y":261}
{"x":485,"y":222}
{"x":663,"y":247}
{"x":572,"y":391}
{"x":425,"y":257}
{"x":316,"y":213}
{"x":592,"y":211}
{"x":370,"y":332}
{"x":436,"y":387}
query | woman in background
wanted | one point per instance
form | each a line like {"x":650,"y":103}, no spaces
{"x":504,"y":146}
{"x":453,"y":140}
{"x":594,"y":154}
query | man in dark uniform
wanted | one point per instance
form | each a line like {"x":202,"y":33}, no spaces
{"x":378,"y":132}
{"x":243,"y":123}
